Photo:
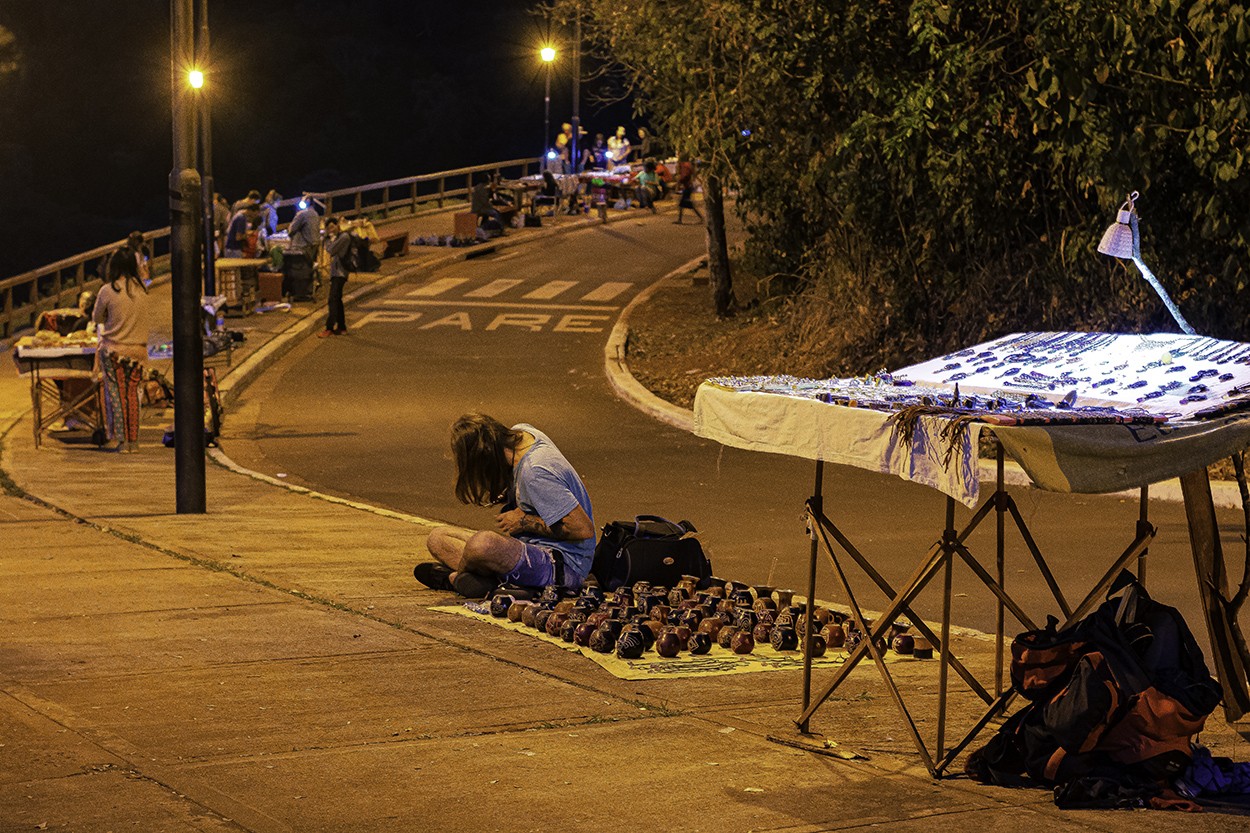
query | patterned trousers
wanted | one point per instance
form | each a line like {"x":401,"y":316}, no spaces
{"x":121,"y":396}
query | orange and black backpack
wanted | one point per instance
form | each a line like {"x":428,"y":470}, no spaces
{"x":1118,"y":697}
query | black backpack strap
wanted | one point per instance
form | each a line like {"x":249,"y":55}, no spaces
{"x":557,"y":558}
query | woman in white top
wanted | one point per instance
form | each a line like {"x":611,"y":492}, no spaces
{"x":618,"y":149}
{"x":121,"y":313}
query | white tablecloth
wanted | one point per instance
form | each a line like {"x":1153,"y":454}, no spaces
{"x":1092,"y":458}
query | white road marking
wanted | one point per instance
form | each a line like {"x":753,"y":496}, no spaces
{"x":414,"y":302}
{"x":550,"y":290}
{"x":493,"y":288}
{"x":606,"y":292}
{"x":438,"y":287}
{"x":533,"y":323}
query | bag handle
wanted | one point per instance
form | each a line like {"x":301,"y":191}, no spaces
{"x":638,"y":519}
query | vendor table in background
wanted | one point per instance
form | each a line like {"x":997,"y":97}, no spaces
{"x":81,"y":399}
{"x":237,"y":280}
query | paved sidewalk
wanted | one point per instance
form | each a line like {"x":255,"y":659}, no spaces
{"x":272,"y":666}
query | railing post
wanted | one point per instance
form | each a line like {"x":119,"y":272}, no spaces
{"x":329,"y":206}
{"x":386,"y":202}
{"x":358,"y":195}
{"x":442,"y":187}
{"x":414,"y":196}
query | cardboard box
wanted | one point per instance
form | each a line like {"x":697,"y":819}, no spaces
{"x":466,"y":224}
{"x":270,"y":287}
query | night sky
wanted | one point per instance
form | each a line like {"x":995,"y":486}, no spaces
{"x":307,"y":95}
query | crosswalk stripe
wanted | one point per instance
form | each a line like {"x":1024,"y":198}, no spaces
{"x":550,"y":290}
{"x":493,"y":288}
{"x":438,"y":287}
{"x":606,"y":292}
{"x":460,"y":302}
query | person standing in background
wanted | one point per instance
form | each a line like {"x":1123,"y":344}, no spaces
{"x":618,"y":148}
{"x":685,"y":184}
{"x":121,"y":311}
{"x":647,"y":146}
{"x":305,"y":230}
{"x":339,"y":248}
{"x":269,"y":213}
{"x":138,"y":248}
{"x":236,"y":231}
{"x":221,"y":220}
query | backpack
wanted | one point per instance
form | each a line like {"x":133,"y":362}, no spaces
{"x":1119,"y":696}
{"x":1042,"y":661}
{"x":648,"y":548}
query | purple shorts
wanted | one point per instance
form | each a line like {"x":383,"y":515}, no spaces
{"x":537,"y":567}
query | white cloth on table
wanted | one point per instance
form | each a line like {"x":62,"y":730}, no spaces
{"x":1061,"y":458}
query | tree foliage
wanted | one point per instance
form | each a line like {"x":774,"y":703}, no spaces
{"x":940,"y":172}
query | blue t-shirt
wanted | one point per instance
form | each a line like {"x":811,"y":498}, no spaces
{"x":545,"y":484}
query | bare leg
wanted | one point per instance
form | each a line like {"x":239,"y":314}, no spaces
{"x":446,"y":543}
{"x":484,"y":553}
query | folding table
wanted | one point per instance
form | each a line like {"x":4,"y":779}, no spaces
{"x":45,"y":366}
{"x":1080,"y":412}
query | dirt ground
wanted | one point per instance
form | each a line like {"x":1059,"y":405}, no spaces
{"x":676,"y":341}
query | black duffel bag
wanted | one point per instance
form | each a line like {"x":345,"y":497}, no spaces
{"x":649,"y":548}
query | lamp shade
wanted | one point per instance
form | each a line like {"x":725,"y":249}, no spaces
{"x":1117,"y":240}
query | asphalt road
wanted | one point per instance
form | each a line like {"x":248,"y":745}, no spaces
{"x":520,"y":336}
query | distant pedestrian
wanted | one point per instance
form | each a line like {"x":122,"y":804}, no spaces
{"x":252,"y":198}
{"x":269,"y":213}
{"x":685,"y":184}
{"x":618,"y":148}
{"x":339,"y":249}
{"x":595,"y":156}
{"x":544,"y":533}
{"x":221,"y":221}
{"x":138,"y":248}
{"x":240,"y":238}
{"x":121,"y":312}
{"x":305,"y":230}
{"x":647,"y":145}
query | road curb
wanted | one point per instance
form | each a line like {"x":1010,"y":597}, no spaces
{"x":616,"y":364}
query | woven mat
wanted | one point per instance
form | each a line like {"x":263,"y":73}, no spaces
{"x":652,"y":666}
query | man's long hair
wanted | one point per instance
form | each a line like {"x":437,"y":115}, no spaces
{"x":483,"y":473}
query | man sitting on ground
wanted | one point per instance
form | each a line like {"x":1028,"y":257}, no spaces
{"x":545,"y":531}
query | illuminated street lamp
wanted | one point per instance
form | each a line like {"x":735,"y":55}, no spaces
{"x":196,"y":79}
{"x":548,"y":54}
{"x":1123,"y":240}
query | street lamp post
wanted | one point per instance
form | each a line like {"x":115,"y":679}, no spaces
{"x":577,"y":89}
{"x":185,"y":264}
{"x":548,"y":55}
{"x":206,"y":158}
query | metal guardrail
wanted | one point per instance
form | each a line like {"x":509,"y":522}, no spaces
{"x":23,"y":297}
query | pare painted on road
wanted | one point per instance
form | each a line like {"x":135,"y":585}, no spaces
{"x":488,"y":321}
